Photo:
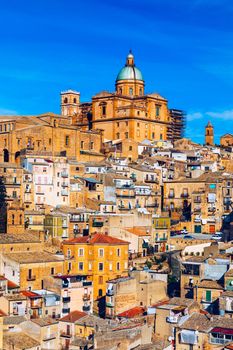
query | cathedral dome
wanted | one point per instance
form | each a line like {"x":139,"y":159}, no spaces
{"x":129,"y":71}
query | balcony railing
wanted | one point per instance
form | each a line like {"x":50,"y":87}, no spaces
{"x":184,"y":195}
{"x":87,"y":283}
{"x":86,"y":308}
{"x":197,"y":200}
{"x":31,"y":278}
{"x":49,"y":337}
{"x":86,"y":297}
{"x":155,"y":181}
{"x":66,"y":299}
{"x":110,"y":292}
{"x":64,"y":193}
{"x":97,"y":224}
{"x":64,"y":174}
{"x":172,"y":319}
{"x":66,"y":310}
{"x":65,"y":334}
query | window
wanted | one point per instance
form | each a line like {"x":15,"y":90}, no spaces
{"x":126,"y":123}
{"x":140,"y":92}
{"x":101,"y":280}
{"x":20,"y":219}
{"x":13,"y":219}
{"x":82,"y":144}
{"x":118,"y":124}
{"x":101,"y":266}
{"x":101,"y":252}
{"x":100,"y":292}
{"x":138,"y":112}
{"x":118,"y":266}
{"x":75,"y":101}
{"x":92,"y":145}
{"x":126,"y":135}
{"x":104,"y":111}
{"x":80,"y":266}
{"x":117,"y":135}
{"x":68,"y":253}
{"x":89,"y":266}
{"x":52,"y":271}
{"x":14,"y":194}
{"x":65,"y":100}
{"x":131,"y":91}
{"x":69,"y":266}
{"x":153,"y":135}
{"x":67,"y":140}
{"x":81,"y":252}
{"x":118,"y":252}
{"x":157,"y":111}
{"x":161,"y":136}
{"x":130,"y":148}
{"x":110,"y":266}
{"x":50,"y":141}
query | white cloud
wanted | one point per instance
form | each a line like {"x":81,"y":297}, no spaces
{"x":5,"y":111}
{"x":225,"y":115}
{"x":194,"y":116}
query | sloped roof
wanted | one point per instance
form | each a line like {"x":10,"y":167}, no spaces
{"x":73,"y":316}
{"x":96,"y":239}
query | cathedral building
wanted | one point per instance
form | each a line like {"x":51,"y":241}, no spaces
{"x":128,"y":113}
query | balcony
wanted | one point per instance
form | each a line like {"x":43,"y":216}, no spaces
{"x":122,"y":207}
{"x":184,"y":195}
{"x":154,"y":181}
{"x":86,"y":308}
{"x":110,"y":292}
{"x":97,"y":223}
{"x":31,"y":278}
{"x":172,"y":319}
{"x":197,"y":200}
{"x":109,"y":305}
{"x":86,"y":297}
{"x":66,"y":310}
{"x":64,"y":174}
{"x":65,"y":334}
{"x":49,"y":337}
{"x":87,"y":283}
{"x":152,"y":205}
{"x":64,"y":193}
{"x":66,"y":299}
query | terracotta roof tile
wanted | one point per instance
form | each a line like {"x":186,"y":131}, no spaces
{"x":135,"y":311}
{"x":95,"y":239}
{"x":73,"y":316}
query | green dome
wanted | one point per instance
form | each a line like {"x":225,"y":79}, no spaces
{"x":129,"y":73}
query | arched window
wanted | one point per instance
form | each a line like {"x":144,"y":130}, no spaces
{"x":120,"y":91}
{"x":13,"y":219}
{"x":140,"y":92}
{"x":131,"y":91}
{"x":20,"y":219}
{"x":65,"y":100}
{"x":75,"y":101}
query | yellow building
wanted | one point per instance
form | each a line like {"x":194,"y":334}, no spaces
{"x":28,"y":269}
{"x":101,"y":257}
{"x":127,"y":113}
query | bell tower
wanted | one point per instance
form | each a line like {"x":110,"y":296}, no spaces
{"x":209,"y":134}
{"x":70,"y":101}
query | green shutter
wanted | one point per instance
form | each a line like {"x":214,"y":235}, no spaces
{"x":208,"y":295}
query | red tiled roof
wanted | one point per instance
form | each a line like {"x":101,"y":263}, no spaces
{"x":95,"y":239}
{"x":222,"y":330}
{"x":30,"y":294}
{"x":11,"y":285}
{"x":73,"y":316}
{"x":135,"y":311}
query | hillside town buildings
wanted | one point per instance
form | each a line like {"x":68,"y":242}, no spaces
{"x":116,"y":231}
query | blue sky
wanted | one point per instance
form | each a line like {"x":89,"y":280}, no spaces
{"x":184,"y":49}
